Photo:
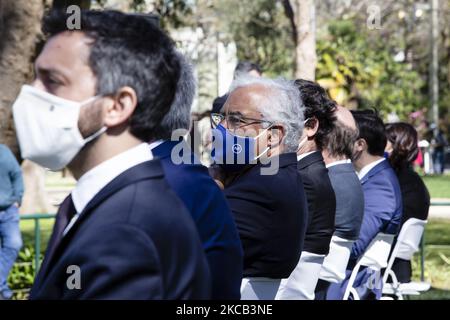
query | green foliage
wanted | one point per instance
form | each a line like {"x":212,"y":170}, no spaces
{"x":22,"y":273}
{"x":262,"y":34}
{"x":355,"y":69}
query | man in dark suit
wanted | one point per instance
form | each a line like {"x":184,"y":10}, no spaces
{"x":337,"y":154}
{"x":122,"y":233}
{"x":256,"y":139}
{"x":198,"y":191}
{"x":319,"y":121}
{"x":382,"y":201}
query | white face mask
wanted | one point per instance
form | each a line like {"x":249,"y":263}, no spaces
{"x":47,"y":127}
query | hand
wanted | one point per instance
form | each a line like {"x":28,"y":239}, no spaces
{"x":16,"y":204}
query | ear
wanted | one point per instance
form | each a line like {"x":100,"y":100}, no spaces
{"x":360,"y":145}
{"x":275,"y":135}
{"x":120,"y":108}
{"x":311,"y":127}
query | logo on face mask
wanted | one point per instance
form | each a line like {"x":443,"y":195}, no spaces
{"x":237,"y":148}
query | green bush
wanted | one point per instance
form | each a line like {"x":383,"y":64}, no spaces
{"x":22,"y":273}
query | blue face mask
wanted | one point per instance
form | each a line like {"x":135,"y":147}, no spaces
{"x":234,"y":152}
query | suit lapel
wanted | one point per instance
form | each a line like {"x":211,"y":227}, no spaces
{"x":147,"y":170}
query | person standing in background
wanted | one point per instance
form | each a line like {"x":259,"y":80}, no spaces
{"x":11,"y":192}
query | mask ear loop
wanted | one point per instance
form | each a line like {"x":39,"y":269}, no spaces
{"x":265,"y":150}
{"x":99,"y":132}
{"x":302,"y":143}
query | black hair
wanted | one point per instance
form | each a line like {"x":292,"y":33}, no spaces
{"x":246,"y":67}
{"x":128,"y":50}
{"x":371,"y":129}
{"x":318,"y":105}
{"x":405,"y":149}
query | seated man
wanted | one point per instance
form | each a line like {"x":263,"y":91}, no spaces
{"x":259,"y":132}
{"x":382,"y":201}
{"x":200,"y":194}
{"x":319,"y":120}
{"x":337,"y":153}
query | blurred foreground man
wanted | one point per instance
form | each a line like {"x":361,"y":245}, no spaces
{"x":98,"y":96}
{"x":11,"y":191}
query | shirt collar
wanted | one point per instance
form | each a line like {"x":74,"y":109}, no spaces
{"x":335,"y":163}
{"x":303,"y":155}
{"x":365,"y":170}
{"x":97,"y":178}
{"x":155,"y":144}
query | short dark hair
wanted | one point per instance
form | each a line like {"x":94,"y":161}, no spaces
{"x":128,"y":50}
{"x":246,"y":67}
{"x":371,"y":129}
{"x":317,"y":105}
{"x":405,"y":149}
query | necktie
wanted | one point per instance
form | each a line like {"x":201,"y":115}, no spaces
{"x":65,"y":213}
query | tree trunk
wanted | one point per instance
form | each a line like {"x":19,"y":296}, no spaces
{"x":19,"y":33}
{"x":302,"y":16}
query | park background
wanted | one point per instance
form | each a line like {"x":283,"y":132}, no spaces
{"x":392,"y":55}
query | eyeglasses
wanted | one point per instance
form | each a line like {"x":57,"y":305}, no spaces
{"x":236,"y":121}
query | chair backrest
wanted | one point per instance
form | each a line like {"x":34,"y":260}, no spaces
{"x":335,"y":263}
{"x":302,"y":282}
{"x":407,"y":244}
{"x":375,"y":257}
{"x":377,"y":254}
{"x":259,"y":288}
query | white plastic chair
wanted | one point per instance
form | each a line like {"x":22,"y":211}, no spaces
{"x":335,"y":263}
{"x":303,"y":280}
{"x":375,"y":257}
{"x":408,"y":242}
{"x":259,"y":288}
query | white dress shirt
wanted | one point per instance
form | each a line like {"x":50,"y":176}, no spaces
{"x":335,"y":163}
{"x":301,"y":156}
{"x":98,"y":177}
{"x":365,"y":170}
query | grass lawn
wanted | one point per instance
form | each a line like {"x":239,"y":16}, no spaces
{"x":438,"y":186}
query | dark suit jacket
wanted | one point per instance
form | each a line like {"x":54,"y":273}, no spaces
{"x":416,"y":199}
{"x":212,"y":216}
{"x":271,"y":214}
{"x":349,"y":200}
{"x":321,"y":203}
{"x":218,"y":103}
{"x":134,"y":240}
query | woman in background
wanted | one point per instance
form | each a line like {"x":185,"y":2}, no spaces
{"x":403,"y":150}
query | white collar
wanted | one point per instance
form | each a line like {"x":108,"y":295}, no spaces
{"x":335,"y":163}
{"x":303,"y":155}
{"x":95,"y":179}
{"x":365,"y":170}
{"x":154,"y":144}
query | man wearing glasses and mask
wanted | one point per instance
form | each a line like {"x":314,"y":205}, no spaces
{"x":255,"y":138}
